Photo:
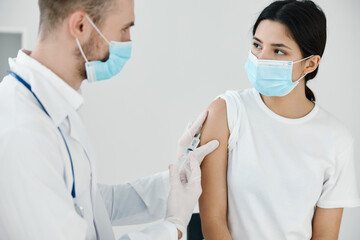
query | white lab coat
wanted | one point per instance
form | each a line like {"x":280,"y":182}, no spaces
{"x":35,"y":171}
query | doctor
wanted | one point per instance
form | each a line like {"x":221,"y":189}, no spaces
{"x":47,"y":182}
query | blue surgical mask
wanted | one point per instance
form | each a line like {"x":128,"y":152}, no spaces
{"x":271,"y":77}
{"x":119,"y":54}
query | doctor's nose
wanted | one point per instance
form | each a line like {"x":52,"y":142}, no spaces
{"x":125,"y":37}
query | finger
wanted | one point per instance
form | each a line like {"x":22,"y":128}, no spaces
{"x":194,"y":180}
{"x":195,"y":170}
{"x":185,"y":172}
{"x":196,"y":126}
{"x":191,"y":130}
{"x":174,"y":175}
{"x":200,"y":153}
{"x":186,"y":137}
{"x":183,"y":179}
{"x":189,"y":125}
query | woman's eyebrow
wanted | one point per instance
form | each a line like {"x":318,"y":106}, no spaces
{"x":280,"y":45}
{"x":273,"y":44}
{"x":255,"y":38}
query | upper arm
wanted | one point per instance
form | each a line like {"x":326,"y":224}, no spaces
{"x":326,"y":223}
{"x":213,"y":201}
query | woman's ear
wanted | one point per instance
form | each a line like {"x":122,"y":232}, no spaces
{"x":311,"y":64}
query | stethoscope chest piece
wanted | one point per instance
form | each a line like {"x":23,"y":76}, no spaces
{"x":79,"y":209}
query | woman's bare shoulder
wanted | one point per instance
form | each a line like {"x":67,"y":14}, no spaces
{"x":216,"y":125}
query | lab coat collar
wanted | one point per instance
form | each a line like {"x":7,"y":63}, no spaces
{"x":58,"y":98}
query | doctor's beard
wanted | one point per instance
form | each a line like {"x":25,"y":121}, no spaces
{"x":90,"y":48}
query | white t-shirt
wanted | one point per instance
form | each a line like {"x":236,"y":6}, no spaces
{"x":280,"y":169}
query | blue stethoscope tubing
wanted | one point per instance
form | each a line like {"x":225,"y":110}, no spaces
{"x":73,"y":192}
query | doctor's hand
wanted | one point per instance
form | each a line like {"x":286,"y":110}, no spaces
{"x":185,"y":184}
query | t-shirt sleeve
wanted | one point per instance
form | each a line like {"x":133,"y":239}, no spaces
{"x":233,"y":108}
{"x":340,"y":188}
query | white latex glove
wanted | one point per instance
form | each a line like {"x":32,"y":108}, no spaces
{"x":185,"y":186}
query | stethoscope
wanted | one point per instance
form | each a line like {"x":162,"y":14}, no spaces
{"x":78,"y":208}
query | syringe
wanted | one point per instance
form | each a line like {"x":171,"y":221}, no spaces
{"x":194,"y":144}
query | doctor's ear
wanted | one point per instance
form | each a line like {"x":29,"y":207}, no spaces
{"x":311,"y":64}
{"x":79,"y":26}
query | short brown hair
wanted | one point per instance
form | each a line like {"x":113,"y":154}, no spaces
{"x":53,"y":12}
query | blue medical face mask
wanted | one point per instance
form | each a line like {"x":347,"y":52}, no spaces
{"x":119,"y":54}
{"x":271,"y":77}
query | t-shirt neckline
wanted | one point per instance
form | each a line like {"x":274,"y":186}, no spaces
{"x":303,"y":119}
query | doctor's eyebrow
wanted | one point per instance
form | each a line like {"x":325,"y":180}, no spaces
{"x":131,"y":24}
{"x":273,"y":44}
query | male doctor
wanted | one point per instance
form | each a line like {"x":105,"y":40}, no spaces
{"x":47,"y":182}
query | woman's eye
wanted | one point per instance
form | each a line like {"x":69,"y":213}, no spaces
{"x":256,"y":45}
{"x":277,"y":51}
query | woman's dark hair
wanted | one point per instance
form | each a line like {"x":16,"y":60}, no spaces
{"x":307,"y":25}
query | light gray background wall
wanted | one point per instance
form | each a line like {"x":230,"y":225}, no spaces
{"x":186,"y":53}
{"x":10,"y":44}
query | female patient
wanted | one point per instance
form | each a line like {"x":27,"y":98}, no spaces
{"x":285,"y":166}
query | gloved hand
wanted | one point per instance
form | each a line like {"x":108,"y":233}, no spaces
{"x":185,"y":186}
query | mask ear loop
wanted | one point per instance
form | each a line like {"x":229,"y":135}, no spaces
{"x":301,"y":61}
{"x":96,"y":28}
{"x":81,"y":51}
{"x":301,"y":77}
